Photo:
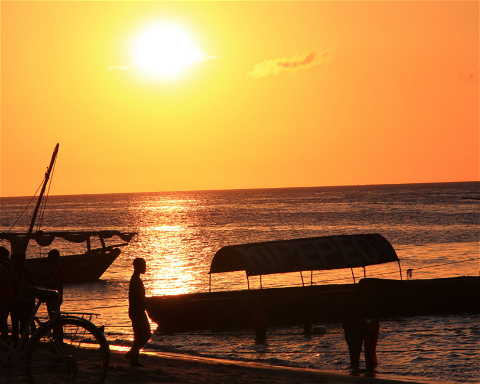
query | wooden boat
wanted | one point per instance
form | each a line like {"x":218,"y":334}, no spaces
{"x":312,"y":304}
{"x":80,"y":268}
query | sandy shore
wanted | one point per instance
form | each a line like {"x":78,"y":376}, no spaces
{"x":172,"y":368}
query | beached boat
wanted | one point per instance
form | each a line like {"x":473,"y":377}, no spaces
{"x":79,"y":268}
{"x":310,"y":304}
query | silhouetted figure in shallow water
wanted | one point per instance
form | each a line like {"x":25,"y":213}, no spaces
{"x":260,"y":324}
{"x":137,"y":306}
{"x":362,"y":325}
{"x":370,"y":335}
{"x":354,"y":324}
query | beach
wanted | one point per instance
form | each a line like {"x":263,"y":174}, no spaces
{"x":173,"y":368}
{"x":178,"y":368}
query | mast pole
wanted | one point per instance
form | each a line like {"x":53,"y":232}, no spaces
{"x":40,"y":197}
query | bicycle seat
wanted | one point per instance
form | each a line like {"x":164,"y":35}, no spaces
{"x":44,"y":295}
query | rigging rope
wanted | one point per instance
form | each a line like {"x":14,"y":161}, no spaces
{"x":30,"y":202}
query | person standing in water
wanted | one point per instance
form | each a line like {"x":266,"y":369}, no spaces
{"x":354,"y":324}
{"x":137,"y":306}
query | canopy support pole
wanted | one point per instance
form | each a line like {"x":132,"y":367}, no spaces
{"x":400,"y":269}
{"x":354,"y":282}
{"x":301,"y":275}
{"x":261,"y":287}
{"x":209,"y":282}
{"x":364,"y":272}
{"x":311,"y":277}
{"x":248,"y":282}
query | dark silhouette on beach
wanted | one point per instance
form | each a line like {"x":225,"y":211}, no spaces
{"x":6,"y":292}
{"x":24,"y":301}
{"x":54,"y":281}
{"x":136,"y":311}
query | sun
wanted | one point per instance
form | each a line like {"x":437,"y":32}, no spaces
{"x":165,"y":51}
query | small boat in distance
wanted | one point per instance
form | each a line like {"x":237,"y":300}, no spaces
{"x":79,"y":268}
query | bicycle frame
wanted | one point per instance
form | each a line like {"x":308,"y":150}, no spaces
{"x":15,"y":358}
{"x":23,"y":338}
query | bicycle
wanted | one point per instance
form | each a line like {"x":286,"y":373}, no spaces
{"x":64,"y":349}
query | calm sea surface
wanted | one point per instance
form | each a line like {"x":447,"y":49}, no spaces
{"x":434,"y":230}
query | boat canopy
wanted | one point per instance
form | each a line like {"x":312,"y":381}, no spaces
{"x":44,"y":239}
{"x":307,"y":254}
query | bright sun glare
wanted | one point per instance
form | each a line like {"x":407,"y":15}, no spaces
{"x":165,"y":51}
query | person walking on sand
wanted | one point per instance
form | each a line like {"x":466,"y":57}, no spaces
{"x":137,"y":306}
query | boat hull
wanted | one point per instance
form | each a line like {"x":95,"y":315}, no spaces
{"x":83,"y":268}
{"x":313,"y":304}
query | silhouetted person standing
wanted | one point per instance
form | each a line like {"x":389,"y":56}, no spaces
{"x":137,"y":306}
{"x":6,"y":291}
{"x":260,"y":324}
{"x":24,"y":301}
{"x":54,"y":281}
{"x":372,"y":329}
{"x":354,"y":324}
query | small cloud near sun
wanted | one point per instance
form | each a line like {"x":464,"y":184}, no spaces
{"x":293,"y":64}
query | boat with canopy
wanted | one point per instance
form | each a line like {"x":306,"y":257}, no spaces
{"x":309,"y":304}
{"x":78,"y":268}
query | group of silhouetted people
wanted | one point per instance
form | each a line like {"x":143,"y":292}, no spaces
{"x":16,"y":300}
{"x":360,"y":323}
{"x":18,"y":303}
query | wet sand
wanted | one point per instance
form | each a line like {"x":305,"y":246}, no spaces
{"x":173,"y":368}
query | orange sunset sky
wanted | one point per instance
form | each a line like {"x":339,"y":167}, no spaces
{"x":260,"y":94}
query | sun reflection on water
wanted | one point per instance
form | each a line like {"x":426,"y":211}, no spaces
{"x":179,"y":233}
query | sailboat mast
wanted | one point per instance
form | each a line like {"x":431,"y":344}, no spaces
{"x":42,"y":192}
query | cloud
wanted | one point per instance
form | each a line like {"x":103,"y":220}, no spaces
{"x":468,"y":77}
{"x":204,"y":56}
{"x":293,"y":64}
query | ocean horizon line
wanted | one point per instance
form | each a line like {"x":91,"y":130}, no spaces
{"x":250,"y":189}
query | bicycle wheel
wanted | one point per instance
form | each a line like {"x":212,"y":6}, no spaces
{"x":67,"y":350}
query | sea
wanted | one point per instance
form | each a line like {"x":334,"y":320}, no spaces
{"x":433,"y":227}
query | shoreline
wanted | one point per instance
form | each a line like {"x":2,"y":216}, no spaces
{"x":163,"y":367}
